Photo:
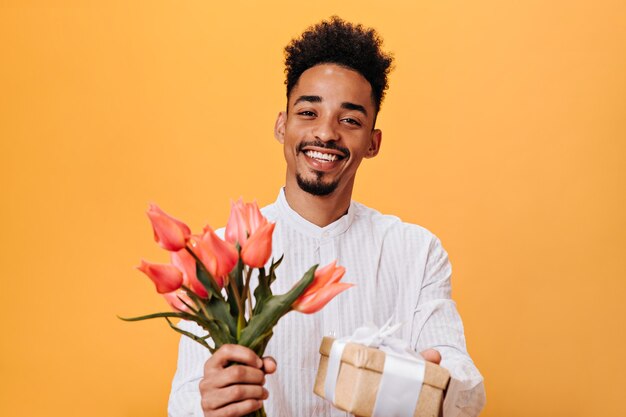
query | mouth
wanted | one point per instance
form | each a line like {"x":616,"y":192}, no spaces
{"x":323,"y":159}
{"x":323,"y":156}
{"x":323,"y":152}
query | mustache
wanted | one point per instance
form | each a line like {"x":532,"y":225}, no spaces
{"x":325,"y":145}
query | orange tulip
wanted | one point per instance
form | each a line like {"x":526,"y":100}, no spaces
{"x":245,"y":219}
{"x":174,"y":300}
{"x":258,"y":248}
{"x":236,"y":227}
{"x":167,"y":278}
{"x":187,"y":264}
{"x":219,"y":257}
{"x":325,"y":287}
{"x":255,"y":218}
{"x":170,"y":233}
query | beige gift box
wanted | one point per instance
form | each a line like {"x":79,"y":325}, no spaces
{"x":359,"y":378}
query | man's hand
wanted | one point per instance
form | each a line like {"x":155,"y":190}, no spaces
{"x":230,"y":391}
{"x":431,"y":355}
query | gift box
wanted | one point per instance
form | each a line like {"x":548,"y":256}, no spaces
{"x":359,"y":379}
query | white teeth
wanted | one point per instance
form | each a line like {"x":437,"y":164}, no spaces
{"x":322,"y":156}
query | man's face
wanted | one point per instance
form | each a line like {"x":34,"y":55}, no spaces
{"x":328,"y":129}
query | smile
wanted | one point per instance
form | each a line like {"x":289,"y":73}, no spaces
{"x":321,"y":156}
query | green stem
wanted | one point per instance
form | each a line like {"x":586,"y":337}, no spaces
{"x":246,"y":290}
{"x":233,"y":287}
{"x":241,"y":320}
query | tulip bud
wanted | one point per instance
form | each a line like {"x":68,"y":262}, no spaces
{"x":184,"y":261}
{"x":255,"y":218}
{"x":225,"y":253}
{"x":245,"y":219}
{"x":167,"y":278}
{"x":258,"y":248}
{"x":170,"y":233}
{"x":325,"y":287}
{"x":236,"y":227}
{"x":218,"y":257}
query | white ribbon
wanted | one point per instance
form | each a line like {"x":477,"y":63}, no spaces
{"x":403,"y":373}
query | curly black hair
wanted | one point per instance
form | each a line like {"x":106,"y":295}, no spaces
{"x":336,"y":41}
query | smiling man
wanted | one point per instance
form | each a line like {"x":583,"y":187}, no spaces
{"x":326,"y":131}
{"x":336,"y":80}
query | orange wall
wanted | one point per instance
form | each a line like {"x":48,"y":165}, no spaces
{"x":504,"y":133}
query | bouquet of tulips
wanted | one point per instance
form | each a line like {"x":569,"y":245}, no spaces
{"x":208,"y":280}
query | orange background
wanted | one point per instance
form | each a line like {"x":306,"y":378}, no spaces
{"x":504,"y":133}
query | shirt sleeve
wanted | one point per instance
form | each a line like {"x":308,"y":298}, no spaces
{"x":184,"y":398}
{"x":437,"y":325}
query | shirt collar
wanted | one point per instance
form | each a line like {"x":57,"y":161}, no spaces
{"x":305,"y":227}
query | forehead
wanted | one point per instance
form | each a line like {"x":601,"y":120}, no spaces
{"x":333,"y":83}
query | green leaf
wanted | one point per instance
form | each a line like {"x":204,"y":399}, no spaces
{"x":215,"y":309}
{"x":273,"y":267}
{"x":260,"y":342}
{"x":153,"y":316}
{"x":190,"y":335}
{"x":236,"y":277}
{"x":239,"y":269}
{"x":221,"y":312}
{"x":262,"y":292}
{"x":275,"y":307}
{"x":218,"y":330}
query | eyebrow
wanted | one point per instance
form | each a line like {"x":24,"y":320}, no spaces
{"x":345,"y":105}
{"x":352,"y":106}
{"x":310,"y":99}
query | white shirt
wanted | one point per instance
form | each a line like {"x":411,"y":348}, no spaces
{"x":400,"y":270}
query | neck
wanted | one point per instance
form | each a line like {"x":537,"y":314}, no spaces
{"x":319,"y":210}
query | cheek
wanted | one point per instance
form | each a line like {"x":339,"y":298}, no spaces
{"x":289,"y":153}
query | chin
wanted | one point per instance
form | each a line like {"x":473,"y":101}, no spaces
{"x":316,"y":187}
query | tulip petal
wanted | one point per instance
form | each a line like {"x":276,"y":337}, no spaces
{"x":326,"y":275}
{"x":184,"y":261}
{"x":258,"y":248}
{"x":166,"y":278}
{"x":175,"y":300}
{"x":244,"y":221}
{"x":225,"y":254}
{"x":171,"y":234}
{"x":236,"y":227}
{"x":324,"y":288}
{"x":255,"y":218}
{"x":318,"y":300}
{"x":206,"y":256}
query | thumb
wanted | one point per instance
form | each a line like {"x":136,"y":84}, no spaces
{"x":431,"y":355}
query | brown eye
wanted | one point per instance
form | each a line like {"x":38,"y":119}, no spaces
{"x":352,"y":121}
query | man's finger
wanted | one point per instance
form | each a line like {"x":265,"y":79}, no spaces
{"x":233,"y":353}
{"x":269,"y":365}
{"x":234,"y":394}
{"x":431,"y":355}
{"x":236,"y":374}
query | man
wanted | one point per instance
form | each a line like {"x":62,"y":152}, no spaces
{"x":336,"y":79}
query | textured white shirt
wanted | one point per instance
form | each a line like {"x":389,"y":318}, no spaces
{"x":400,"y":270}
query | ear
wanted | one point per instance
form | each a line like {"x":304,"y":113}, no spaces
{"x":279,"y":127}
{"x":375,"y":139}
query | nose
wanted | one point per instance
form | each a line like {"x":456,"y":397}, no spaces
{"x":326,"y":129}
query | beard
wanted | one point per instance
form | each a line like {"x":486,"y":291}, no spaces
{"x":317,"y":186}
